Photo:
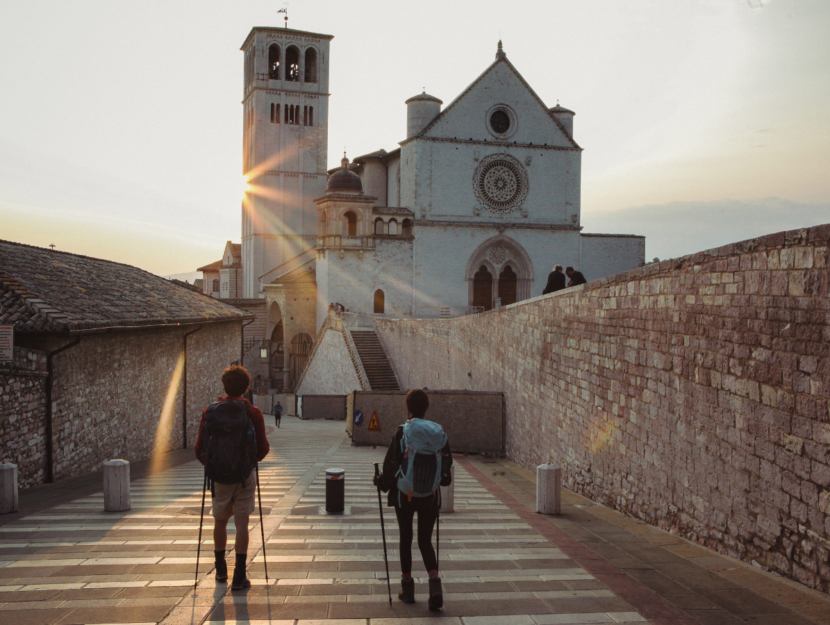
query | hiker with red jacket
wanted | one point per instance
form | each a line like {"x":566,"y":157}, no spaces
{"x":231,"y":442}
{"x":417,"y":462}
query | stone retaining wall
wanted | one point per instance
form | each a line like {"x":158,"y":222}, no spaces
{"x":23,"y":414}
{"x":115,"y":395}
{"x":691,"y":393}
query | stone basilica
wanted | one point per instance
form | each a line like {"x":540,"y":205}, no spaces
{"x":470,"y":212}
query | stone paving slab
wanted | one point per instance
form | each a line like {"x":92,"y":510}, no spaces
{"x":72,"y":563}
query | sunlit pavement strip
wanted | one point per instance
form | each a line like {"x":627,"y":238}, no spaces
{"x":76,"y":564}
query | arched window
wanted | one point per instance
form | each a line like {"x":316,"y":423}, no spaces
{"x":483,"y":288}
{"x":393,"y":226}
{"x":406,"y":228}
{"x":292,"y":64}
{"x":310,"y":115}
{"x":311,"y":65}
{"x":350,"y":221}
{"x":380,"y":302}
{"x":507,"y":286}
{"x":274,"y":61}
{"x":216,"y":286}
{"x":378,"y":226}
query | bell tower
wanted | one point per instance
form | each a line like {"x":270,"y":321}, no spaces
{"x":285,"y":103}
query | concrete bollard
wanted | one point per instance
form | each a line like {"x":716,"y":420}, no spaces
{"x":116,"y":485}
{"x":448,"y":494}
{"x":8,"y":488}
{"x":548,"y":488}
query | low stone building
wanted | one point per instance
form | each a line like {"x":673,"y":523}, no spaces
{"x":109,"y":361}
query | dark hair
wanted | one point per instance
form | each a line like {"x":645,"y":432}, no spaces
{"x":567,"y":269}
{"x":417,"y":403}
{"x":236,"y":380}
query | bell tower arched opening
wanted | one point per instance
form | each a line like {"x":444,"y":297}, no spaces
{"x":292,"y":64}
{"x":311,"y":65}
{"x":274,"y":58}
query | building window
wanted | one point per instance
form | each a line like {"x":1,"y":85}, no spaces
{"x":311,"y":65}
{"x":350,"y":221}
{"x":393,"y":226}
{"x":216,"y":286}
{"x":380,"y":302}
{"x":310,"y":115}
{"x":406,"y":228}
{"x":275,"y":113}
{"x":274,"y":62}
{"x":378,"y":226}
{"x":292,"y":64}
{"x":305,"y":116}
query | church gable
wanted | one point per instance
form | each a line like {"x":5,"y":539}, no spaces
{"x":520,"y":115}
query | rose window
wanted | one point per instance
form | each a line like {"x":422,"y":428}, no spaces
{"x":500,"y":183}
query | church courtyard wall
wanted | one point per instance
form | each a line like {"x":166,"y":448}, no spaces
{"x":332,"y":368}
{"x":692,"y":393}
{"x":115,"y":395}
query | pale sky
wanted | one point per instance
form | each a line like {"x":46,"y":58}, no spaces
{"x":703,"y":121}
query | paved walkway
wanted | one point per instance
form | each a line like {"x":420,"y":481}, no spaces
{"x":72,"y":563}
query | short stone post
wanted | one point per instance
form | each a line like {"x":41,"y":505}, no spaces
{"x":448,"y":494}
{"x":116,"y":485}
{"x":548,"y":487}
{"x":8,"y":488}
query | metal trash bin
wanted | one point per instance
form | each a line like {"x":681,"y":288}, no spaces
{"x":335,"y":490}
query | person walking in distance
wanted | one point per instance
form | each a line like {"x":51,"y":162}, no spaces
{"x":230,"y":443}
{"x":576,"y":277}
{"x":277,"y":413}
{"x":417,"y":462}
{"x":556,"y":281}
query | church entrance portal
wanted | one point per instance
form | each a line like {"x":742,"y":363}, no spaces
{"x":499,"y":269}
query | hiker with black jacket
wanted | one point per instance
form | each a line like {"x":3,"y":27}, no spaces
{"x":417,"y":462}
{"x":230,"y":443}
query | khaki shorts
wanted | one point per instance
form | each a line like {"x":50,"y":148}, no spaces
{"x":234,"y":499}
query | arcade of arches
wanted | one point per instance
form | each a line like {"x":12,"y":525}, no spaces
{"x":285,"y":362}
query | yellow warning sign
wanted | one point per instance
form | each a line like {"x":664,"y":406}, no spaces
{"x":374,"y":424}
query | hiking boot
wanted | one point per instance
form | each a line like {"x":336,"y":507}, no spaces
{"x":221,"y":569}
{"x":407,"y":591}
{"x":436,"y":598}
{"x":240,"y":580}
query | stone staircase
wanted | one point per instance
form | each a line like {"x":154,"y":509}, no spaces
{"x":375,"y":363}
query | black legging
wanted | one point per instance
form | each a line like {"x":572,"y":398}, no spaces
{"x":427,"y":509}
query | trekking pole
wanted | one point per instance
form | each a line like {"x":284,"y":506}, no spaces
{"x":438,"y":531}
{"x":201,"y":519}
{"x":383,"y":533}
{"x":261,"y":526}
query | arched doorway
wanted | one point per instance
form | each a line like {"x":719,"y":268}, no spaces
{"x":509,"y":273}
{"x":299,"y":352}
{"x":483,"y":288}
{"x":507,"y":286}
{"x":275,"y":335}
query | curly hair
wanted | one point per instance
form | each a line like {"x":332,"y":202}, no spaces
{"x":236,"y":380}
{"x":417,"y":403}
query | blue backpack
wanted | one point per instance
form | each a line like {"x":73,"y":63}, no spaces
{"x":421,"y":445}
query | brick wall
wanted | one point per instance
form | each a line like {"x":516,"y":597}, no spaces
{"x":23,"y":414}
{"x":691,"y":393}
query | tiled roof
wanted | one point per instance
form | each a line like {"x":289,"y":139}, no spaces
{"x":47,"y":291}
{"x":392,"y":210}
{"x":211,"y":268}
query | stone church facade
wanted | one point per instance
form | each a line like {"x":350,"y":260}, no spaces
{"x":470,"y":211}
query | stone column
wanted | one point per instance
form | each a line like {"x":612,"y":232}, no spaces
{"x":8,"y":488}
{"x":548,"y":487}
{"x":116,"y":485}
{"x":448,"y":494}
